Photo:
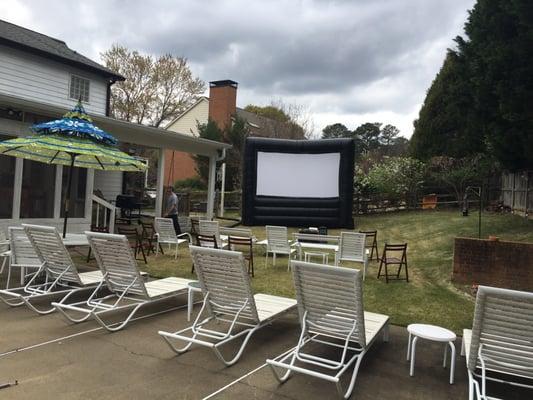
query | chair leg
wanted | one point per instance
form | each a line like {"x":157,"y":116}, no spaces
{"x":89,"y":255}
{"x":379,"y":270}
{"x":386,"y":273}
{"x":406,"y":271}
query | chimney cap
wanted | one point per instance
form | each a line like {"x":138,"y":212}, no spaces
{"x":226,"y":82}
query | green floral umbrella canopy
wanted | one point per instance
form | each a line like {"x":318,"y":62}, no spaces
{"x":73,"y":141}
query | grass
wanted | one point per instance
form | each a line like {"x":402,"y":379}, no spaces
{"x":429,"y":297}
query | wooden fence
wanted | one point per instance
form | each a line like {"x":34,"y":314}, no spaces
{"x":517,"y":191}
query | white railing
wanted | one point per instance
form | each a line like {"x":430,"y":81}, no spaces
{"x":103,"y":218}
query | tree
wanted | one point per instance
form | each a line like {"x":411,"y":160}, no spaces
{"x":445,"y":126}
{"x":234,"y":135}
{"x":369,"y":135}
{"x":155,"y":91}
{"x":388,"y":135}
{"x":337,"y":130}
{"x":285,"y":120}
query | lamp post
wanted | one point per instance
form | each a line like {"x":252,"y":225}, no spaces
{"x":477,"y":191}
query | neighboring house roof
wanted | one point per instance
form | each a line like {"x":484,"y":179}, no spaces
{"x":33,"y":42}
{"x":201,"y":99}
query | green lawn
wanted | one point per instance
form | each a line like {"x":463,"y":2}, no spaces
{"x":428,"y":297}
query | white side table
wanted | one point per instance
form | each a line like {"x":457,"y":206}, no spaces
{"x":193,"y":287}
{"x":309,"y":255}
{"x":433,"y":333}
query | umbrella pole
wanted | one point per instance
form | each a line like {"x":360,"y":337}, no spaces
{"x":67,"y":197}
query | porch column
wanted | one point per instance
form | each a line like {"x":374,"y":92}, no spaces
{"x":160,"y":182}
{"x":211,"y":187}
{"x":17,"y":189}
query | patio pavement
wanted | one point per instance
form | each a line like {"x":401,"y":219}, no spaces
{"x":52,"y":359}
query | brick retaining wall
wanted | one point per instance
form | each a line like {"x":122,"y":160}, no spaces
{"x":493,"y":263}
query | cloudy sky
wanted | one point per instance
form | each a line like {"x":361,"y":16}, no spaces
{"x":345,"y":61}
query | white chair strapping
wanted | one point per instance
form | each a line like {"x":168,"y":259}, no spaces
{"x":503,"y":328}
{"x":332,"y":300}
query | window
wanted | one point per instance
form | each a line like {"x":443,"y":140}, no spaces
{"x":38,"y":190}
{"x":7,"y":182}
{"x":77,"y":192}
{"x":79,"y":88}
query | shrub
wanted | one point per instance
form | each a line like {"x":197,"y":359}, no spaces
{"x":194,"y":183}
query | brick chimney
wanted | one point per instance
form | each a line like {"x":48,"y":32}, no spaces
{"x":222,"y":102}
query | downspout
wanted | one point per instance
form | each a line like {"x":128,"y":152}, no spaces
{"x":222,"y":183}
{"x":108,"y":97}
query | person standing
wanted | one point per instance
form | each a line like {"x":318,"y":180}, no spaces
{"x":171,"y":210}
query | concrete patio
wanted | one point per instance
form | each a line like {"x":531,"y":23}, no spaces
{"x":52,"y":359}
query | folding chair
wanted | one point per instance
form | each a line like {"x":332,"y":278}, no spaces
{"x":22,"y":255}
{"x":212,"y":228}
{"x":278,"y":243}
{"x":330,"y":305}
{"x":61,"y":275}
{"x":165,"y":234}
{"x":134,"y":239}
{"x":371,"y":243}
{"x":237,"y":242}
{"x":352,"y":248}
{"x":94,"y":228}
{"x":228,"y":298}
{"x":500,"y":345}
{"x":394,"y":254}
{"x":148,"y":237}
{"x":123,"y":279}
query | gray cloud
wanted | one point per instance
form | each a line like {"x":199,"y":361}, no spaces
{"x":343,"y":59}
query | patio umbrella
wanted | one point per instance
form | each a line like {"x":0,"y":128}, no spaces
{"x":73,"y":141}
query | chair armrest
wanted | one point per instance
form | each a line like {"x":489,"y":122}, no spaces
{"x":185,"y":234}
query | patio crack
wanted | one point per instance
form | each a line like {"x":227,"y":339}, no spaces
{"x":126,"y":349}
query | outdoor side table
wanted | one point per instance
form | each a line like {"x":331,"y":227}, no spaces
{"x":435,"y":334}
{"x":193,"y":287}
{"x":308,"y":255}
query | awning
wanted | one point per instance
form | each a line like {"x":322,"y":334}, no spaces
{"x":125,"y":132}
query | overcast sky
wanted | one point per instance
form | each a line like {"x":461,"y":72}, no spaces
{"x":346,"y":61}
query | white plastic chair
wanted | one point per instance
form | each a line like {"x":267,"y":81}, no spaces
{"x":352,"y":247}
{"x":278,"y":243}
{"x":500,"y":345}
{"x":228,"y":297}
{"x":330,"y":304}
{"x":21,"y":255}
{"x":62,"y":278}
{"x":212,"y":228}
{"x":125,"y":282}
{"x":165,"y":234}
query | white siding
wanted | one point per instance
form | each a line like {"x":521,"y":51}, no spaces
{"x":187,"y":123}
{"x":36,"y":78}
{"x":109,"y":183}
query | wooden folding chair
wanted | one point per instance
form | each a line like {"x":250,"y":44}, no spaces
{"x":237,"y":242}
{"x":134,"y":239}
{"x":394,"y":254}
{"x":371,"y":244}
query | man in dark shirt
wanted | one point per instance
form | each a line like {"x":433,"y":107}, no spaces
{"x":171,"y":210}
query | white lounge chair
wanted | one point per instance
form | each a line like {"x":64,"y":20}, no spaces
{"x":212,"y":228}
{"x":352,"y":247}
{"x":228,"y":298}
{"x":123,"y":279}
{"x":5,"y":253}
{"x":61,"y":277}
{"x":278,"y":243}
{"x":500,"y":345}
{"x":165,"y":234}
{"x":21,"y":255}
{"x":330,"y":304}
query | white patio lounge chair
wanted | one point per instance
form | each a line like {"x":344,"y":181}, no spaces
{"x":352,"y":248}
{"x":21,"y":255}
{"x":212,"y":228}
{"x":125,"y":282}
{"x":330,"y":304}
{"x":500,"y":345}
{"x":5,"y":253}
{"x":228,"y":298}
{"x":278,"y":243}
{"x":165,"y":234}
{"x":61,"y":277}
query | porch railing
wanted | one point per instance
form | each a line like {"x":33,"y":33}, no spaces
{"x":103,"y":214}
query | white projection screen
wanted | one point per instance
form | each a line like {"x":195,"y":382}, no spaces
{"x":298,"y":175}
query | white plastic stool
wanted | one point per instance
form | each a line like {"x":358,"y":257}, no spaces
{"x":436,"y":334}
{"x":308,"y":255}
{"x":193,"y":287}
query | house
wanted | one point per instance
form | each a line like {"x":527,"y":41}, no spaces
{"x":40,"y":79}
{"x":221,"y":107}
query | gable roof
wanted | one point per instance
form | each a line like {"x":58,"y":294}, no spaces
{"x":200,"y":99}
{"x":36,"y":43}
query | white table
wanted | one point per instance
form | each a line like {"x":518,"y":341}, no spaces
{"x":435,"y":334}
{"x":316,"y":246}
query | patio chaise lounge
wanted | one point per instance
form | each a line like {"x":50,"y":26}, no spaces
{"x":500,"y":345}
{"x":61,"y":277}
{"x":125,"y":282}
{"x":228,"y":298}
{"x":330,"y":304}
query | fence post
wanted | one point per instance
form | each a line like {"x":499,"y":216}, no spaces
{"x":526,"y":214}
{"x":513,"y":192}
